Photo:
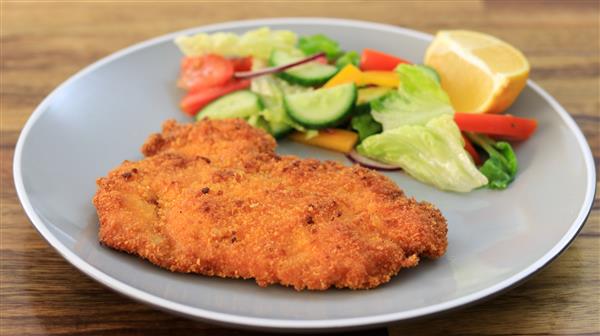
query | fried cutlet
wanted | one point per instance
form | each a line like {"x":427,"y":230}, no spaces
{"x":227,"y":144}
{"x":214,"y":198}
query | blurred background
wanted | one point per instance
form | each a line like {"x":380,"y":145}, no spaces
{"x":45,"y":42}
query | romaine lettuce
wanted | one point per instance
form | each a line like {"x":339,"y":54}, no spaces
{"x":350,"y":57}
{"x":365,"y":125}
{"x":501,"y":167}
{"x":432,"y":153}
{"x":319,"y":43}
{"x":271,"y":90}
{"x":419,"y":99}
{"x":257,"y":43}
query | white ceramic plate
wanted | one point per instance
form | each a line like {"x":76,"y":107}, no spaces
{"x":102,"y":115}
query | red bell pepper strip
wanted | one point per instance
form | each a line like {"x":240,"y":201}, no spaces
{"x":497,"y":125}
{"x":376,"y":60}
{"x":194,"y":101}
{"x":200,"y":72}
{"x":472,"y":151}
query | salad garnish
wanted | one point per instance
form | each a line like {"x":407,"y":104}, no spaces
{"x":419,"y":99}
{"x":320,"y":43}
{"x":381,"y":110}
{"x":501,"y":166}
{"x":432,"y":153}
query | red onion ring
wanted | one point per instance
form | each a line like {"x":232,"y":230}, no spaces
{"x":368,"y":163}
{"x":266,"y":71}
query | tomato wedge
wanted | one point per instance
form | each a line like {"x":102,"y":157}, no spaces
{"x":200,"y":72}
{"x":497,"y":125}
{"x":377,"y":60}
{"x":194,"y":101}
{"x":242,"y":63}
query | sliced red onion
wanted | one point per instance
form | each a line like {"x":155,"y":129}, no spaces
{"x":368,"y":163}
{"x":266,"y":71}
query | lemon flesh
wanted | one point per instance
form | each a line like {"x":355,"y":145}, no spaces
{"x":480,"y":73}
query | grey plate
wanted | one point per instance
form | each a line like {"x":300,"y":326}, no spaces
{"x":102,"y":115}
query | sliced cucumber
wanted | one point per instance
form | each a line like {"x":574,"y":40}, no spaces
{"x":322,"y":108}
{"x":271,"y":90}
{"x":238,"y":104}
{"x":309,"y":74}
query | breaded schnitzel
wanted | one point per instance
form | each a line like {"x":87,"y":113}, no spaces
{"x":214,"y":198}
{"x":228,"y":144}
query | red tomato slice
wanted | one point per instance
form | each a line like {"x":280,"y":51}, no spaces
{"x":322,"y":60}
{"x":200,"y":72}
{"x":194,"y":101}
{"x":242,"y":63}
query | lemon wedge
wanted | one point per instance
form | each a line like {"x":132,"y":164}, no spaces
{"x":480,"y":73}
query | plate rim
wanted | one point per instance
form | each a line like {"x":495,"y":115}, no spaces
{"x":282,"y":324}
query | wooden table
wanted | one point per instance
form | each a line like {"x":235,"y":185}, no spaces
{"x":44,"y":43}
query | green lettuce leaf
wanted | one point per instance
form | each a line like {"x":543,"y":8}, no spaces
{"x":350,"y":57}
{"x":432,"y":153}
{"x":502,"y":165}
{"x":319,"y":43}
{"x":271,"y":90}
{"x":431,"y":72}
{"x":259,"y":121}
{"x":419,"y":99}
{"x":258,"y":43}
{"x":365,"y":125}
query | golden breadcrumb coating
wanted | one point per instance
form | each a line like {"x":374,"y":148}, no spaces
{"x":214,"y":198}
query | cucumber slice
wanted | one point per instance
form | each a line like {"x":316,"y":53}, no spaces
{"x":238,"y":104}
{"x":322,"y":108}
{"x":309,"y":74}
{"x":271,"y":91}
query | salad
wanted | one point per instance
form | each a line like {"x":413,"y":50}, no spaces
{"x":440,"y":122}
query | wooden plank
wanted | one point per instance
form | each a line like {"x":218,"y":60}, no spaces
{"x":44,"y":43}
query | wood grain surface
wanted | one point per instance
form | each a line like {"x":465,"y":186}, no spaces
{"x":45,"y":42}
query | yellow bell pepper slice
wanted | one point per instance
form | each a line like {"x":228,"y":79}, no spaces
{"x":348,"y":74}
{"x":335,"y":139}
{"x":380,"y":78}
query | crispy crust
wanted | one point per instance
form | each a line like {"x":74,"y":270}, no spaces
{"x":226,"y":205}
